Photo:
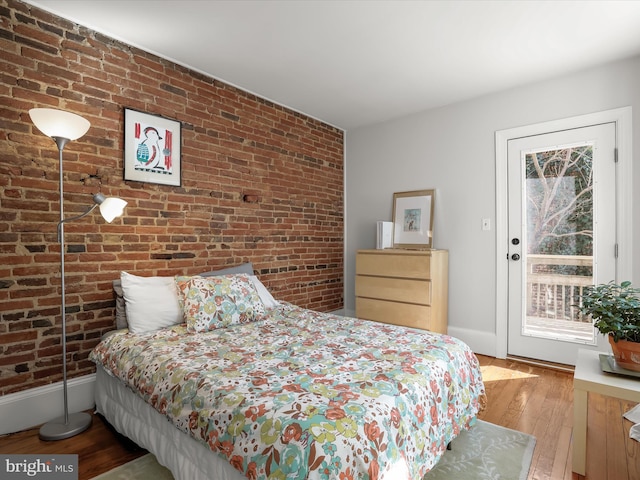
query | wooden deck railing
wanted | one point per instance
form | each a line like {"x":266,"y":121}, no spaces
{"x":555,"y":295}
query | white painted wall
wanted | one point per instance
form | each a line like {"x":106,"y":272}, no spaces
{"x":452,"y":150}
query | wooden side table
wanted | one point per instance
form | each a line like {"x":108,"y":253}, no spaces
{"x":588,"y":377}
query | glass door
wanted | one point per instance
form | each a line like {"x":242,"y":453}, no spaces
{"x":562,"y":238}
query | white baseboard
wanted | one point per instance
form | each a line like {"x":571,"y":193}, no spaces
{"x":345,"y":312}
{"x":483,"y":343}
{"x":29,"y":408}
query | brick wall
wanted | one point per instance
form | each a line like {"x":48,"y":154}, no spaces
{"x":260,"y":183}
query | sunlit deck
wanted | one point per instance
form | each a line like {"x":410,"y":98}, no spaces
{"x":560,"y":329}
{"x":553,"y":299}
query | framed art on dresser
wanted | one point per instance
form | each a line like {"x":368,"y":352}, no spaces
{"x":413,"y":219}
{"x":151,"y":148}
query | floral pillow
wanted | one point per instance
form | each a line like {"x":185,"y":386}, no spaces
{"x":216,"y":302}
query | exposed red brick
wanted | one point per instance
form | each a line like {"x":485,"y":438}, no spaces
{"x":260,"y":183}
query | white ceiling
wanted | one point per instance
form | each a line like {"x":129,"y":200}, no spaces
{"x":356,"y":62}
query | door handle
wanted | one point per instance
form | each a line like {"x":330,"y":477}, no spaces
{"x":515,"y":256}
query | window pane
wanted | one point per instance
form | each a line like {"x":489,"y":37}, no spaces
{"x":559,"y":242}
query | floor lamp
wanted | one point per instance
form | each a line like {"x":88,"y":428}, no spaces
{"x":64,"y":127}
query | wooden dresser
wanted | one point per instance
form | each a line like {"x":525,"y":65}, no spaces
{"x":403,"y":287}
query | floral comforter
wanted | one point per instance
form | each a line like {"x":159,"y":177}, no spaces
{"x":302,"y":391}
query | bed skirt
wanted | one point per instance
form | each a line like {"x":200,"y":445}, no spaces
{"x":131,"y":416}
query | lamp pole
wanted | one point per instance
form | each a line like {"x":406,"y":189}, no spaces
{"x":61,"y":142}
{"x":68,"y":425}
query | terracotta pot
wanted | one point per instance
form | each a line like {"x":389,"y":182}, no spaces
{"x":627,"y":354}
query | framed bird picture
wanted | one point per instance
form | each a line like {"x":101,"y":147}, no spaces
{"x":413,"y":219}
{"x":151,"y":148}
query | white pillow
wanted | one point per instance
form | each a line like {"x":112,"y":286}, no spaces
{"x":151,"y":302}
{"x":264,"y":294}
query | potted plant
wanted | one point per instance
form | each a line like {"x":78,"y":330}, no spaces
{"x":615,"y":311}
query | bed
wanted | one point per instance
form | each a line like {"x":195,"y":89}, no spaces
{"x":265,"y":389}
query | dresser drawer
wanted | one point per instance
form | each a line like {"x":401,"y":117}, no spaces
{"x":394,"y":289}
{"x":394,"y":265}
{"x":405,"y":314}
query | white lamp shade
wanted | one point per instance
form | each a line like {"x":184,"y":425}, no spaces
{"x":58,"y":123}
{"x":111,"y":208}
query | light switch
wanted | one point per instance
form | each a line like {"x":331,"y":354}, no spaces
{"x":486,"y":224}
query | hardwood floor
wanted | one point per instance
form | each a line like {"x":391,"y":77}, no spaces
{"x":99,"y":449}
{"x":539,"y":400}
{"x":529,"y":398}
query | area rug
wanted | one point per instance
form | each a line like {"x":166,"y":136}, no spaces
{"x":145,"y":467}
{"x":486,"y":452}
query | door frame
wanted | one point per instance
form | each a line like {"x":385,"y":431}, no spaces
{"x":622,"y":118}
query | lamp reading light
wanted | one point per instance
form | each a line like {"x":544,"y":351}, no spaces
{"x":110,"y":207}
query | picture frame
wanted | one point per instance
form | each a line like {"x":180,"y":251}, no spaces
{"x":413,"y":219}
{"x":152,"y":148}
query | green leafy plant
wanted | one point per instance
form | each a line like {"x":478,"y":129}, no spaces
{"x":615,"y":310}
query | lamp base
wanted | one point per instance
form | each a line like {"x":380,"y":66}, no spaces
{"x":57,"y":429}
